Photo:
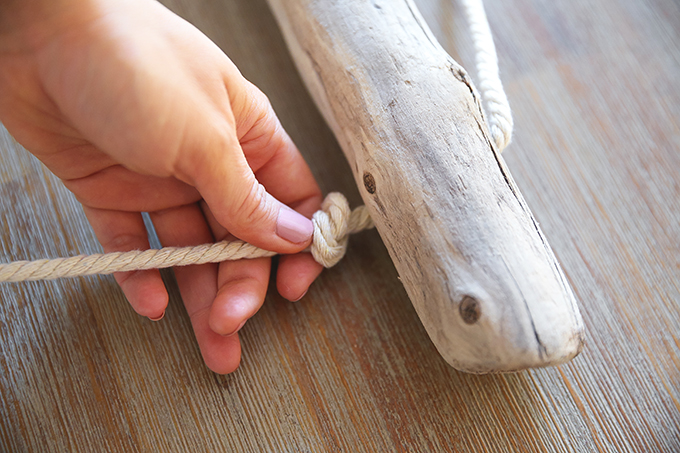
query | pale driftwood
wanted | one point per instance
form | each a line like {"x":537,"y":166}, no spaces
{"x":473,"y":260}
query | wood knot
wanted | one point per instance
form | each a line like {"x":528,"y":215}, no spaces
{"x":470,"y":310}
{"x":369,"y":182}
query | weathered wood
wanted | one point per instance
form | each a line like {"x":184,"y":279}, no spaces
{"x":594,"y":88}
{"x":472,"y":258}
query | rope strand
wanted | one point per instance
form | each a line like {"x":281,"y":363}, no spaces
{"x":495,"y":100}
{"x":332,"y":227}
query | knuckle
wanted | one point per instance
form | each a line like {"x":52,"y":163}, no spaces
{"x":254,"y":207}
{"x":258,"y":115}
{"x":258,"y":98}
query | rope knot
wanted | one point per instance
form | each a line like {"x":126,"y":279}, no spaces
{"x":332,"y":226}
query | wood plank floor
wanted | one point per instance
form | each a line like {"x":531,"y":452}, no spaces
{"x":595,"y":88}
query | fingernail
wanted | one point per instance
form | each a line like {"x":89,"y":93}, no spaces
{"x":293,"y":226}
{"x":157,"y":319}
{"x":303,"y":295}
{"x":240,"y":326}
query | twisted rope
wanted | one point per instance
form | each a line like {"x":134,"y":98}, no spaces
{"x":495,"y":100}
{"x":332,"y":226}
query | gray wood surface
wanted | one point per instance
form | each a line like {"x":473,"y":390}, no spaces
{"x":595,"y":89}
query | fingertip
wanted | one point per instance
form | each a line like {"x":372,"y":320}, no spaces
{"x":226,"y":368}
{"x":123,"y":231}
{"x":227,"y":317}
{"x":241,"y":295}
{"x":300,"y":298}
{"x":158,"y":318}
{"x":295,"y":275}
{"x":146,"y":292}
{"x":238,"y":329}
{"x":222,"y":355}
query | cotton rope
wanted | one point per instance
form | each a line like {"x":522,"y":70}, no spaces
{"x":332,"y":224}
{"x":495,"y":100}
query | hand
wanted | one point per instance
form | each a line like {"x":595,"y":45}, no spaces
{"x":137,"y":111}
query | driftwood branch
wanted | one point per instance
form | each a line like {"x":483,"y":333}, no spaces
{"x":472,"y":258}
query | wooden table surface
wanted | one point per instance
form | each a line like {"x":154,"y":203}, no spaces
{"x":595,"y":88}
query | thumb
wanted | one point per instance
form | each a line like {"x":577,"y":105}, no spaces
{"x":241,"y":203}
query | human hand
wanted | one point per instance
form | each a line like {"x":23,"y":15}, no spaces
{"x":137,"y":111}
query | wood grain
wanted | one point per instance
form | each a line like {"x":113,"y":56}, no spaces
{"x":594,"y":87}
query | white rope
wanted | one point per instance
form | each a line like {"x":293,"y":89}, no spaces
{"x":332,"y":224}
{"x":495,"y":101}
